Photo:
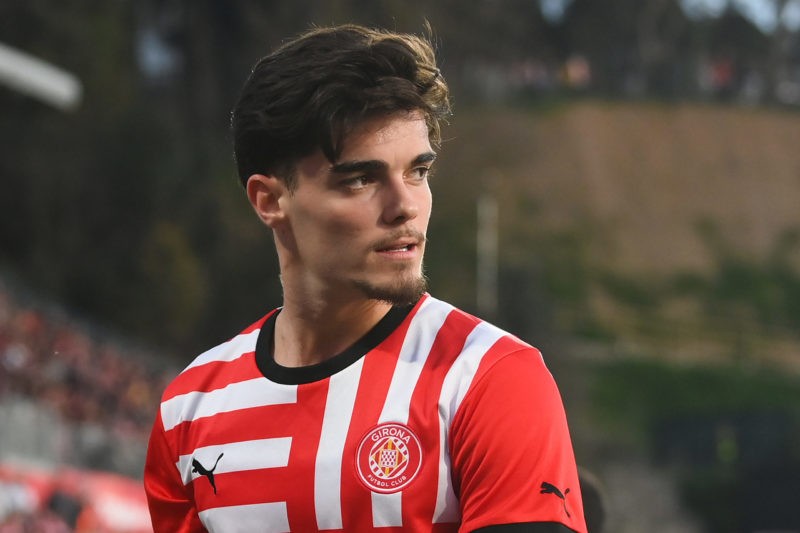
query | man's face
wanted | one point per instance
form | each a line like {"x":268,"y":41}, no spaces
{"x":358,"y":226}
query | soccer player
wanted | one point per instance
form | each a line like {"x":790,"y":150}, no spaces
{"x":363,"y":403}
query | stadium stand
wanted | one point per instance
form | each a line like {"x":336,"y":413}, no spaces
{"x":76,"y":406}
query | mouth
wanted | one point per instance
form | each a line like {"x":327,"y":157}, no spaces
{"x":400,"y":246}
{"x":404,"y":251}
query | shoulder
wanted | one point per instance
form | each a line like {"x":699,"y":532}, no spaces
{"x":475,"y":332}
{"x":213,"y":366}
{"x":475,"y":351}
{"x":481,"y":342}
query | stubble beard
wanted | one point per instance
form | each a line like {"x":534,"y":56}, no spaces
{"x":401,"y":291}
{"x":404,"y":288}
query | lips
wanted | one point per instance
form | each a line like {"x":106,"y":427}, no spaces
{"x":405,"y":242}
{"x":399,"y":247}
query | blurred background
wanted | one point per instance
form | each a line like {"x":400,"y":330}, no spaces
{"x":619,"y":185}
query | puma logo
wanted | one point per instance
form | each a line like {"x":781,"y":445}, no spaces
{"x":198,"y":468}
{"x":549,"y":488}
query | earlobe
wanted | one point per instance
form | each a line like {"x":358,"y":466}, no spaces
{"x":264,"y":193}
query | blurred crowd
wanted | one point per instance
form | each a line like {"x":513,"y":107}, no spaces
{"x":86,"y":378}
{"x":721,"y":78}
{"x":63,"y":365}
{"x":62,"y":500}
{"x":41,"y":521}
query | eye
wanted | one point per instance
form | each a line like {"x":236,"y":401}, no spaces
{"x":420,"y":173}
{"x":355,"y":183}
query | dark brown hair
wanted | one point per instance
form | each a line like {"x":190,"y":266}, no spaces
{"x":313,"y":90}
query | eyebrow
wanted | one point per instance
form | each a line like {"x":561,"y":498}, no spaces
{"x":371,"y":165}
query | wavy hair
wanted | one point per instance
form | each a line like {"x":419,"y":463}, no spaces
{"x":312,"y":91}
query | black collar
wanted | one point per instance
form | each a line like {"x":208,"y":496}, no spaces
{"x":308,"y":374}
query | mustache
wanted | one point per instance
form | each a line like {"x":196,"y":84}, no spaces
{"x":408,"y":233}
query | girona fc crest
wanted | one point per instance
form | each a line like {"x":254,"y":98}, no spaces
{"x":388,"y":458}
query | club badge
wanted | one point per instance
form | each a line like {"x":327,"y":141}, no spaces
{"x":388,"y":458}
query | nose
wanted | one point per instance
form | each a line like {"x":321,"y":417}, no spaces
{"x":401,"y":202}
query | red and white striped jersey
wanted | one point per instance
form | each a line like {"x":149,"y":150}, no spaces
{"x":434,"y":421}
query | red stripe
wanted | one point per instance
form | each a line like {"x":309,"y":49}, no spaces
{"x":232,"y":426}
{"x":311,"y":399}
{"x":246,"y":487}
{"x":213,"y":376}
{"x":503,"y":347}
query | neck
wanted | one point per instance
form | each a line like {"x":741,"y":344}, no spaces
{"x":310,"y":331}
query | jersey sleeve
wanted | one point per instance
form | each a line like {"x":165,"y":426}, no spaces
{"x":511,"y":451}
{"x":172,"y":509}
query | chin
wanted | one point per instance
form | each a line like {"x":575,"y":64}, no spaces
{"x":399,"y":292}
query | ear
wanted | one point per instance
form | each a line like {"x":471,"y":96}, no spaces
{"x":264,"y":193}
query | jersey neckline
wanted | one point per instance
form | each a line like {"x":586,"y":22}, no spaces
{"x":308,"y":374}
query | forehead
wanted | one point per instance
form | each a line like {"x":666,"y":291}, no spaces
{"x":396,"y":138}
{"x":395,"y":131}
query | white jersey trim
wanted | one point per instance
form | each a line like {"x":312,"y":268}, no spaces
{"x":425,"y":325}
{"x":228,"y":351}
{"x":459,"y":378}
{"x":387,"y":509}
{"x":237,"y":457}
{"x":456,"y":384}
{"x":342,"y":389}
{"x":262,"y":517}
{"x":422,"y":331}
{"x":242,"y":395}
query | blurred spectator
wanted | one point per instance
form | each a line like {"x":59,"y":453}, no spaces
{"x":86,"y":378}
{"x":577,"y":74}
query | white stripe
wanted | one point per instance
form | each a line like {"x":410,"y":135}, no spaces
{"x":245,"y":394}
{"x":425,"y":325}
{"x":422,"y":331}
{"x":228,"y":351}
{"x":459,"y":377}
{"x":342,"y":390}
{"x":237,"y":457}
{"x":387,"y":509}
{"x":455,"y":387}
{"x":261,"y":517}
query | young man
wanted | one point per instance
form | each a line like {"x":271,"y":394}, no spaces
{"x":363,"y":403}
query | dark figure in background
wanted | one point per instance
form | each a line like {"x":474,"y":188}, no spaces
{"x":594,"y":505}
